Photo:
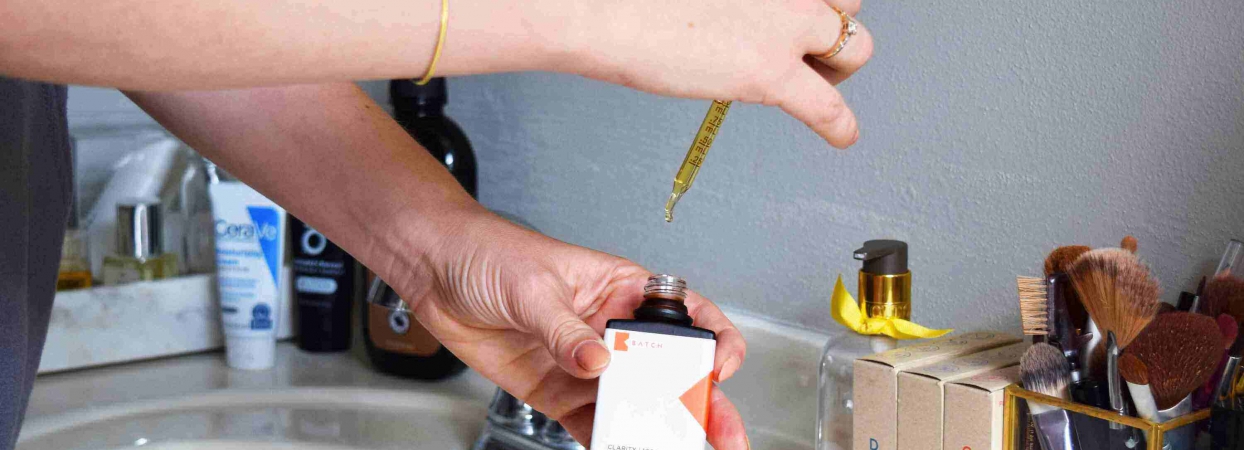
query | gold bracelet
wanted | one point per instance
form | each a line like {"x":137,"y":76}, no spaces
{"x":440,"y":43}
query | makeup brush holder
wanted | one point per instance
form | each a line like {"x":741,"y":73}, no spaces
{"x":1093,"y":423}
{"x":1227,"y":428}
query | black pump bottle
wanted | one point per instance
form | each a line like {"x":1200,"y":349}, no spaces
{"x":421,"y":111}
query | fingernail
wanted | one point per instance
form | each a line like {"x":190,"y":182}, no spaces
{"x":728,"y":368}
{"x":749,"y":442}
{"x":591,"y":355}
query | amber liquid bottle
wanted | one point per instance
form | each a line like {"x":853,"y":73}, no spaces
{"x":657,"y":358}
{"x":396,"y":343}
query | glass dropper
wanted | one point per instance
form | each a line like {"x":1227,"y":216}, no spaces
{"x":695,"y":155}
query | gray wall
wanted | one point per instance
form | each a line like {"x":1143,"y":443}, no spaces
{"x":992,"y":131}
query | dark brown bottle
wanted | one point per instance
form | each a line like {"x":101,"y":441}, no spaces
{"x":663,"y":311}
{"x":397,"y":344}
{"x":421,"y":111}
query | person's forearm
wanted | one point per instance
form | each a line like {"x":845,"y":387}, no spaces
{"x":180,"y":44}
{"x":333,"y":158}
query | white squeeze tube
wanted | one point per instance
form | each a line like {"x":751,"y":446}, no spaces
{"x":250,"y":243}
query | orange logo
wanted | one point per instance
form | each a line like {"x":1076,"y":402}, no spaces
{"x":619,"y":341}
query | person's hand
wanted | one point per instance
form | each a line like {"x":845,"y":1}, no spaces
{"x":757,"y":52}
{"x":528,"y":312}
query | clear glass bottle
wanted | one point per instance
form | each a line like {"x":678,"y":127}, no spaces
{"x":75,"y":258}
{"x":75,"y":265}
{"x":140,"y":255}
{"x":884,"y":291}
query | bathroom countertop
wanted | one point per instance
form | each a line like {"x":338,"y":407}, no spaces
{"x":202,"y":372}
{"x":775,"y":390}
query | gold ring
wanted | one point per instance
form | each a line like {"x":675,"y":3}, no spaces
{"x":849,"y":29}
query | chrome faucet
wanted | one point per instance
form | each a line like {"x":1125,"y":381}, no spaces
{"x":514,"y":425}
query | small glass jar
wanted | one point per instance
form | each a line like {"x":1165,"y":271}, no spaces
{"x":75,"y":265}
{"x":139,"y":255}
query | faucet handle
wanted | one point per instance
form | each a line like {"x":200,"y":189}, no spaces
{"x":511,"y":413}
{"x":553,"y":434}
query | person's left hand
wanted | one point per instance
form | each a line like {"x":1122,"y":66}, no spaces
{"x":528,"y":312}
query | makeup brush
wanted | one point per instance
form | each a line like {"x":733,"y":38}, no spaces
{"x":1043,"y":369}
{"x":1120,"y":436}
{"x":1044,"y":316}
{"x":1136,"y":375}
{"x":1181,"y":351}
{"x":1224,"y":294}
{"x":1057,"y":262}
{"x":1119,"y":295}
{"x":1230,"y":330}
{"x":1199,"y":296}
{"x":1033,"y":306}
{"x":1061,"y":258}
{"x":1130,"y":244}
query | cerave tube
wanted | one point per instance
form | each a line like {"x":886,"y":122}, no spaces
{"x":250,"y":245}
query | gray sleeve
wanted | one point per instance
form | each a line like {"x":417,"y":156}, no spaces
{"x":36,"y":183}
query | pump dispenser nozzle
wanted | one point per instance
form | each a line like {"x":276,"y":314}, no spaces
{"x":885,"y":282}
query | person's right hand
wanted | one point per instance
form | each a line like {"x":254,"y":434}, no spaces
{"x":528,"y":312}
{"x":746,"y":50}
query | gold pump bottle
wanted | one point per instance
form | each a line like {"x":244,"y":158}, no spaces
{"x":884,"y":292}
{"x":885,"y":282}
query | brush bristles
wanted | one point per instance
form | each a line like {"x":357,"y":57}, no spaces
{"x":1133,"y":370}
{"x":1229,"y":328}
{"x":1117,"y":290}
{"x":1181,"y":351}
{"x":1045,"y":370}
{"x":1033,"y":306}
{"x":1061,"y":258}
{"x":1130,"y":244}
{"x":1224,"y":295}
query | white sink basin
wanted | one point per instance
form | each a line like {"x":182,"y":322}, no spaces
{"x":336,"y":401}
{"x":303,"y":418}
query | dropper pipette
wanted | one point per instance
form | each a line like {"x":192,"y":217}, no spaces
{"x":695,"y":155}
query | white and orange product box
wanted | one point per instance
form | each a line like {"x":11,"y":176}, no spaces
{"x":922,"y":409}
{"x":654,"y":394}
{"x":973,"y":417}
{"x":875,"y":382}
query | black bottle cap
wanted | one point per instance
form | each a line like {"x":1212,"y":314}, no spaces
{"x":883,"y":257}
{"x":406,"y":92}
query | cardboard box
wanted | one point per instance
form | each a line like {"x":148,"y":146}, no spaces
{"x":973,"y":414}
{"x":922,"y":394}
{"x":875,"y":384}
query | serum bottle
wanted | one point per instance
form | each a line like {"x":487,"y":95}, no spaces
{"x":140,"y":252}
{"x":885,"y":292}
{"x":654,"y":394}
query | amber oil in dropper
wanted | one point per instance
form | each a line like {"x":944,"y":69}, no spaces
{"x":695,"y":155}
